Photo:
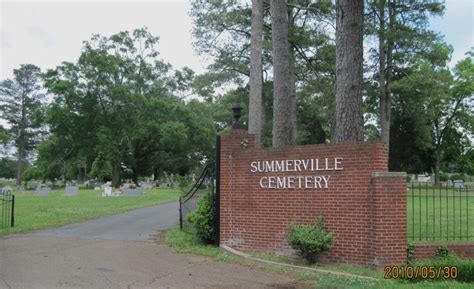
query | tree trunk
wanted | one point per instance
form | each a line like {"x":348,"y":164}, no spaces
{"x":386,"y":61}
{"x":349,"y":61}
{"x":116,"y":168}
{"x":281,"y":96}
{"x":384,"y":123}
{"x":293,"y":99}
{"x":437,"y":164}
{"x":19,"y":166}
{"x":255,"y":100}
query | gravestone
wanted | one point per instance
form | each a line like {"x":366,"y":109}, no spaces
{"x":71,"y":191}
{"x":146,"y":186}
{"x":135,"y":192}
{"x":458,"y":184}
{"x":43,"y":190}
{"x":107,"y":192}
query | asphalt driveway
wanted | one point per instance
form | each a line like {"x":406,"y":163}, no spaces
{"x":119,"y":252}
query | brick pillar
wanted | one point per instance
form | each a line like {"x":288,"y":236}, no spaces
{"x":389,"y":233}
{"x":234,"y":140}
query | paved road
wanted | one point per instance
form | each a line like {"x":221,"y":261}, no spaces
{"x":137,"y":225}
{"x":118,"y":252}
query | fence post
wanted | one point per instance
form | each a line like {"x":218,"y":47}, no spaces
{"x":217,"y":191}
{"x":13,"y":212}
{"x":180,"y":215}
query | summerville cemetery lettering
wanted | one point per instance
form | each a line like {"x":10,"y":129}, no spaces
{"x":295,"y":181}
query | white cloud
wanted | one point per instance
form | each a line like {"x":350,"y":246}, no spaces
{"x":47,"y":33}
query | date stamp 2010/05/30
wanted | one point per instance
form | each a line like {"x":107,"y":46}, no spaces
{"x":421,"y":272}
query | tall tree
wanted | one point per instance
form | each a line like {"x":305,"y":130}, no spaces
{"x":401,"y":32}
{"x":227,"y":23}
{"x":349,"y":65}
{"x":112,"y":79}
{"x":449,"y":107}
{"x":21,"y":106}
{"x":281,"y":89}
{"x":256,"y":120}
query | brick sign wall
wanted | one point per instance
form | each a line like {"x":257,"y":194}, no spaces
{"x":263,"y":190}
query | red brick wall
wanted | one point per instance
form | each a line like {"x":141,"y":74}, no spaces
{"x":428,"y":251}
{"x":365,"y":212}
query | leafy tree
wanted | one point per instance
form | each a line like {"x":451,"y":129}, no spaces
{"x":310,"y":24}
{"x":401,"y":30}
{"x":432,"y":115}
{"x":349,"y":63}
{"x":120,"y":111}
{"x":112,"y":80}
{"x":21,"y":101}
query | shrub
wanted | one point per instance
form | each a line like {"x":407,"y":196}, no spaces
{"x":310,"y":240}
{"x":458,"y":177}
{"x":443,"y":176}
{"x":443,"y":252}
{"x":203,"y":219}
{"x":185,"y":182}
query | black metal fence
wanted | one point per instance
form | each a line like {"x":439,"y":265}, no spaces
{"x":440,"y":213}
{"x":204,"y":185}
{"x":7,"y":209}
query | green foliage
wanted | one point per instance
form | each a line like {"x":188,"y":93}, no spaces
{"x":121,"y":106}
{"x":443,"y":176}
{"x":184,"y":182}
{"x":7,"y":168}
{"x":443,"y":252}
{"x":310,"y":240}
{"x":463,"y":267}
{"x":188,"y":243}
{"x":410,"y":252}
{"x":21,"y":102}
{"x":457,"y":177}
{"x":101,"y":168}
{"x":203,"y":219}
{"x":32,"y":173}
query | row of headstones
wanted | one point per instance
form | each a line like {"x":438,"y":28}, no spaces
{"x":126,"y":192}
{"x":72,"y":191}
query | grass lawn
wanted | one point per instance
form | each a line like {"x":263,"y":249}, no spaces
{"x":186,"y":243}
{"x":37,"y":212}
{"x":435,"y":215}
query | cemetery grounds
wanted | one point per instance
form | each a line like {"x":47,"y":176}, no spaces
{"x":33,"y":212}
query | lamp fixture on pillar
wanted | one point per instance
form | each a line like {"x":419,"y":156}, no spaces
{"x":236,"y":110}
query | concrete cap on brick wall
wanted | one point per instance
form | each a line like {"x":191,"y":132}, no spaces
{"x":389,"y":174}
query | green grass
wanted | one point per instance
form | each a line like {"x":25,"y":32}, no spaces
{"x":34,"y":212}
{"x":186,"y":243}
{"x":442,"y":216}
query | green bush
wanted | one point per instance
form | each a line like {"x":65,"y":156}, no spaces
{"x":442,"y":252}
{"x":203,"y":219}
{"x":185,"y":182}
{"x":458,"y":177}
{"x":310,"y":240}
{"x":443,"y":176}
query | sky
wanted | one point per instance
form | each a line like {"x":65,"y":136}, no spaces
{"x":47,"y":33}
